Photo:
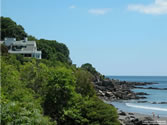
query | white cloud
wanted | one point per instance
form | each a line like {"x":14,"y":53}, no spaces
{"x":158,"y":7}
{"x":72,"y":7}
{"x":100,"y":11}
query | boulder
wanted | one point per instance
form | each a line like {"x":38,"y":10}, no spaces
{"x":122,"y":113}
{"x":101,"y":93}
{"x":141,"y":93}
{"x":162,"y":103}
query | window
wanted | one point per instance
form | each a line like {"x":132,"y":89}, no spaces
{"x":27,"y":55}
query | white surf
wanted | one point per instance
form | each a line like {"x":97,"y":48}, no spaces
{"x":146,"y":107}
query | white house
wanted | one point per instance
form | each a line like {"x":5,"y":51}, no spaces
{"x":23,"y":47}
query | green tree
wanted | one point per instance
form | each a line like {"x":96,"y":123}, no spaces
{"x":4,"y":49}
{"x":32,"y":38}
{"x":10,"y":77}
{"x":93,"y":71}
{"x":61,"y":91}
{"x":21,"y":113}
{"x":19,"y":105}
{"x":90,"y":68}
{"x":52,"y":50}
{"x":90,"y":111}
{"x":35,"y":76}
{"x":99,"y":113}
{"x":9,"y":28}
{"x":84,"y":83}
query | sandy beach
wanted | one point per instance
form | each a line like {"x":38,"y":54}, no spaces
{"x":127,"y":118}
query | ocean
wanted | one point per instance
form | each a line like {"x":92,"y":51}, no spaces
{"x":156,"y":96}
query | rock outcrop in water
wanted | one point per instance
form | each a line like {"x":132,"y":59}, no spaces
{"x":119,"y":90}
{"x":137,"y":87}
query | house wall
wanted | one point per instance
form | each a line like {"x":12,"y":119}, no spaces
{"x":26,"y":48}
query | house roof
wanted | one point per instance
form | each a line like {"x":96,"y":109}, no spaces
{"x":29,"y":47}
{"x":22,"y":43}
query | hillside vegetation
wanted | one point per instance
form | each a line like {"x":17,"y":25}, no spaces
{"x":50,"y":91}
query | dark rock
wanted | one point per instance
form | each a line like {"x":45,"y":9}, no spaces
{"x":122,"y":113}
{"x":141,"y":93}
{"x":162,"y":103}
{"x":142,"y":97}
{"x":136,"y":87}
{"x":118,"y":90}
{"x":130,"y":113}
{"x":101,"y":93}
{"x":132,"y":116}
{"x":142,"y":101}
{"x":148,"y":119}
{"x":108,"y":94}
{"x":156,"y":88}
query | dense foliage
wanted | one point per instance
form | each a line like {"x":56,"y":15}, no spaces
{"x":50,"y":91}
{"x":19,"y":105}
{"x":96,"y":75}
{"x":90,"y":68}
{"x":52,"y":50}
{"x":9,"y":28}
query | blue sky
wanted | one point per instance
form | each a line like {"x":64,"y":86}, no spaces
{"x":119,"y":37}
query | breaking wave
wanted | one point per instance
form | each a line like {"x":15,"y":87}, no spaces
{"x":146,"y":107}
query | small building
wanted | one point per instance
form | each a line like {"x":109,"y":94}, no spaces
{"x":23,"y":47}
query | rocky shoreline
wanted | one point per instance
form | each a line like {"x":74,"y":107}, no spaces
{"x":110,"y":90}
{"x":115,"y":90}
